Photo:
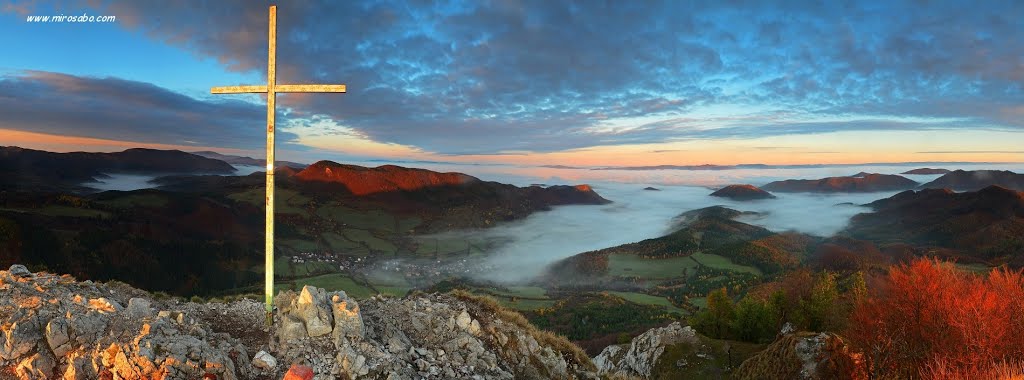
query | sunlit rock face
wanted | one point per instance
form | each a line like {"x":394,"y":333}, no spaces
{"x":54,"y":327}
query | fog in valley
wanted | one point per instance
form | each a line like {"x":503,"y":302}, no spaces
{"x":524,"y":248}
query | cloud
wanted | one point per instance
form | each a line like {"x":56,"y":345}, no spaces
{"x":543,"y":76}
{"x":68,"y":105}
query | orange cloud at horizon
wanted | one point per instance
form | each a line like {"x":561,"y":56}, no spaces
{"x":834,"y":148}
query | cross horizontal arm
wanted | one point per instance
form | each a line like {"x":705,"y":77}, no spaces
{"x":309,"y":88}
{"x":238,"y":89}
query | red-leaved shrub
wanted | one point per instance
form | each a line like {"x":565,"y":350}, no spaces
{"x":929,"y":320}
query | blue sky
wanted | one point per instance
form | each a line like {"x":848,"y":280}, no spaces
{"x":550,"y":82}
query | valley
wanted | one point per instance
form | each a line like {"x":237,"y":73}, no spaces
{"x":412,"y":231}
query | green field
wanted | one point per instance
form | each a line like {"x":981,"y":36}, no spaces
{"x":284,"y":267}
{"x":334,"y":281}
{"x":136,"y":200}
{"x":299,"y":245}
{"x":701,"y":302}
{"x":648,"y":299}
{"x":974,"y":268}
{"x":626,"y":265}
{"x":373,"y":242}
{"x":344,"y":246}
{"x":524,"y":291}
{"x":370,"y":220}
{"x":286,"y":201}
{"x":722,"y":262}
{"x":527,"y":304}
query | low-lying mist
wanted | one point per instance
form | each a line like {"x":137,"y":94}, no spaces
{"x":636,"y":214}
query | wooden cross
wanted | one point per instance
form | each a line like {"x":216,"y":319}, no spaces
{"x":271,"y":89}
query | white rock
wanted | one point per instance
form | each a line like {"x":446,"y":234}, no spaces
{"x":264,"y":360}
{"x":139,"y":308}
{"x":643,"y":352}
{"x":463,"y":320}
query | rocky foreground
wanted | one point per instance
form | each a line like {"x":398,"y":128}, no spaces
{"x":54,"y":327}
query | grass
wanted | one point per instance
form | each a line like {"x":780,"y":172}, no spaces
{"x":136,"y":200}
{"x":286,"y":201}
{"x":528,"y":304}
{"x":371,"y":220}
{"x":547,"y":338}
{"x":722,"y":262}
{"x":708,"y":359}
{"x":340,"y":244}
{"x":978,"y":268}
{"x":647,"y":299}
{"x":335,"y":281}
{"x":396,"y":291}
{"x":523,"y":291}
{"x":54,"y":210}
{"x":701,"y":302}
{"x":300,"y":245}
{"x":626,"y":265}
{"x":373,"y":242}
{"x":390,"y":283}
{"x":429,"y":246}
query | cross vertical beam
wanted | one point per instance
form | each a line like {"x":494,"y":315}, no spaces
{"x":271,"y":89}
{"x":268,"y":260}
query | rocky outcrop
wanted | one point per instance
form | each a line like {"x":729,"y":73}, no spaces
{"x":742,"y":193}
{"x":53,"y":327}
{"x":639,"y":357}
{"x":804,"y":355}
{"x":428,"y":336}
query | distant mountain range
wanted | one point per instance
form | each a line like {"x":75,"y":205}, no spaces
{"x":768,"y":166}
{"x":36,"y":169}
{"x":926,"y":171}
{"x":242,"y":160}
{"x":203,"y":234}
{"x":860,"y":182}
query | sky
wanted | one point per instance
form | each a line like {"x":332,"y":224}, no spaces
{"x":580,"y":83}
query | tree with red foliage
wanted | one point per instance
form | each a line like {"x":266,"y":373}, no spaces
{"x":930,"y":320}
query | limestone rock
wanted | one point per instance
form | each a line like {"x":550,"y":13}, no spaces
{"x":105,"y":305}
{"x":641,"y":355}
{"x":55,"y":327}
{"x":264,"y":360}
{"x":311,"y":309}
{"x":347,"y":320}
{"x":39,"y":366}
{"x":57,"y":336}
{"x":139,"y":308}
